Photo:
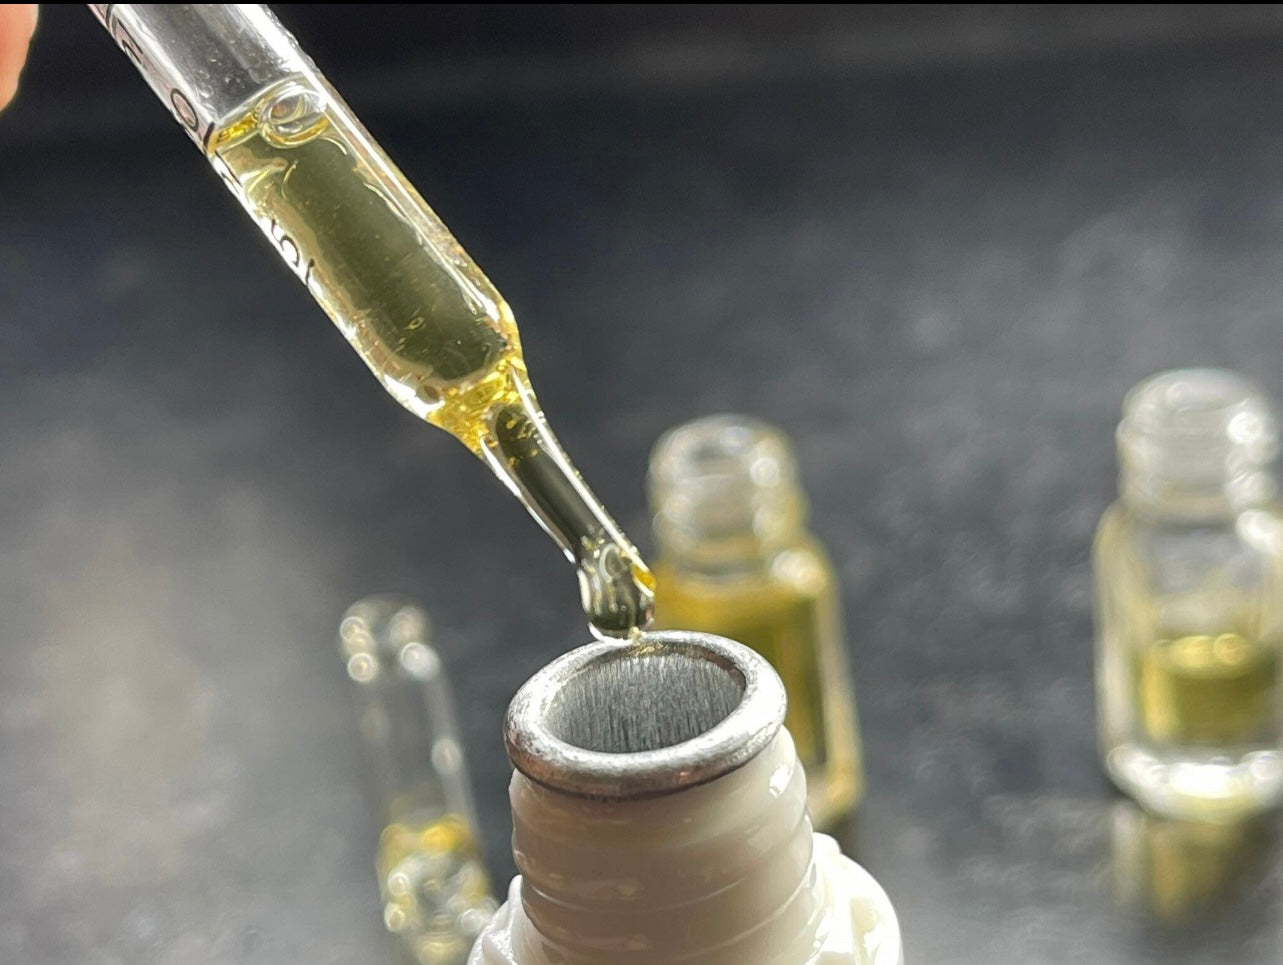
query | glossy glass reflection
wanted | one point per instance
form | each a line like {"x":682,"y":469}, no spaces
{"x":1181,"y":873}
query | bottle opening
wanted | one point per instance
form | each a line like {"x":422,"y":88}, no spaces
{"x":1201,"y":407}
{"x":673,"y":710}
{"x":1196,"y":443}
{"x":386,"y":635}
{"x":644,"y":702}
{"x":723,"y":488}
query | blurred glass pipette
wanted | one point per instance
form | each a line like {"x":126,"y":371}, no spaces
{"x":406,"y":296}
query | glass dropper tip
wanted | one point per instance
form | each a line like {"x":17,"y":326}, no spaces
{"x":617,"y":591}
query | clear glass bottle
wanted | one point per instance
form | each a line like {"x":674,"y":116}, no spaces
{"x":736,"y":559}
{"x":436,"y":893}
{"x":1189,"y":601}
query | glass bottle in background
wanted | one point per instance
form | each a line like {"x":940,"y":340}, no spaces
{"x":436,"y":894}
{"x":736,"y":559}
{"x":1189,"y":601}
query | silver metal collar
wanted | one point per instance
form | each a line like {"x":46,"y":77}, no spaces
{"x":669,"y":711}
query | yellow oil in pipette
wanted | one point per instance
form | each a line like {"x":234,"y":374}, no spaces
{"x":423,"y":316}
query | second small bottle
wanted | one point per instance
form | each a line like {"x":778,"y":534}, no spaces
{"x":736,"y":559}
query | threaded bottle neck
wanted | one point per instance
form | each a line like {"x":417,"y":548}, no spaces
{"x":724,"y":491}
{"x":1196,"y":445}
{"x":659,"y":818}
{"x":716,"y":874}
{"x":659,"y":809}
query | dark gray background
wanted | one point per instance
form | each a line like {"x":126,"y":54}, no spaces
{"x":936,"y":245}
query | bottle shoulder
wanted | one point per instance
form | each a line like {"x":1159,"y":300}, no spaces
{"x":1196,"y":561}
{"x":1261,"y":525}
{"x":863,"y":928}
{"x":800,"y":569}
{"x":494,"y":946}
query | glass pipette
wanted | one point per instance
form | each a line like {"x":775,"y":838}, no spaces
{"x":427,"y":322}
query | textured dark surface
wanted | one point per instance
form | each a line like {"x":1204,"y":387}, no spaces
{"x":938,"y":274}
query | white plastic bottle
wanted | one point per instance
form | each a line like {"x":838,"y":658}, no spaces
{"x":659,"y":816}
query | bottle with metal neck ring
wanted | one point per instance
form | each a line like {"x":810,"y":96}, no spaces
{"x":659,"y":817}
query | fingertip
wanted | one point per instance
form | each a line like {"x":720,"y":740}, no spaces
{"x":17,"y":25}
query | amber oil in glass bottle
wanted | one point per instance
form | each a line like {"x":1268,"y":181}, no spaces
{"x":1189,"y":600}
{"x":736,"y":560}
